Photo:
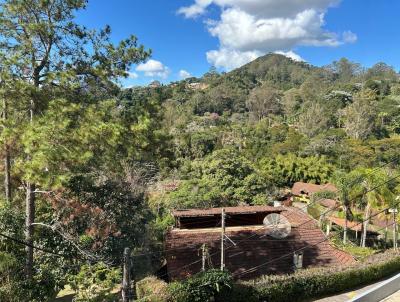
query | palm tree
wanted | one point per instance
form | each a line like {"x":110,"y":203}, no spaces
{"x":344,"y":182}
{"x":376,"y":193}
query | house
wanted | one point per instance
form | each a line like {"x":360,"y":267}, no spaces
{"x":302,"y":191}
{"x":155,"y":84}
{"x":249,"y":244}
{"x":356,"y":227}
{"x":197,"y":86}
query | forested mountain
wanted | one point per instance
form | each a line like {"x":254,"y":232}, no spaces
{"x":90,"y":168}
{"x":242,"y":136}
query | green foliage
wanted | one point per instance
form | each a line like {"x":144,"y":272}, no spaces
{"x":223,"y":178}
{"x":15,"y":288}
{"x":314,"y":211}
{"x":285,"y":170}
{"x":206,"y":286}
{"x":360,"y":253}
{"x":95,"y":283}
{"x":151,"y":289}
{"x":314,"y":283}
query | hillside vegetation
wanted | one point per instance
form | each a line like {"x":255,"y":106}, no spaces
{"x":90,"y":168}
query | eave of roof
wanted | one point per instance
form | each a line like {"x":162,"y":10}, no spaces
{"x":228,"y":210}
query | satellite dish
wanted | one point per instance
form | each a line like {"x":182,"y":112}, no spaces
{"x":277,"y":226}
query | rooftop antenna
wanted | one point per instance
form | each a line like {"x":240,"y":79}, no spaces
{"x":277,"y":226}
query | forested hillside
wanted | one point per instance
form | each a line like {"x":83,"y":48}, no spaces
{"x":90,"y":168}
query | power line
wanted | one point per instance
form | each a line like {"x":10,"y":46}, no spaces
{"x":255,"y":268}
{"x":34,"y":246}
{"x":262,"y":227}
{"x":309,"y":220}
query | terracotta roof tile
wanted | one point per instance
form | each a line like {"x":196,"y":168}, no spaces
{"x":308,"y":188}
{"x":228,"y":210}
{"x":253,"y":247}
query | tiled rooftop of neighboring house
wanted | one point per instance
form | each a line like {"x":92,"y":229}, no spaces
{"x":308,"y":188}
{"x":228,"y":210}
{"x":253,"y":246}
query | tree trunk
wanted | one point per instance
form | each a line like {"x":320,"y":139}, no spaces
{"x":365,"y":226}
{"x":7,"y":160}
{"x":345,"y":225}
{"x":29,"y":220}
{"x":30,"y":215}
{"x":7,"y":176}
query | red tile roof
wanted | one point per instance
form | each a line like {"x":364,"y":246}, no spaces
{"x":328,"y":203}
{"x":307,"y":188}
{"x":254,"y":247}
{"x":355,"y":226}
{"x":228,"y":210}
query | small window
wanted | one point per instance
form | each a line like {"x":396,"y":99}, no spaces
{"x":298,"y":260}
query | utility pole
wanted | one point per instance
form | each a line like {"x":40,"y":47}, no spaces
{"x":222,"y":239}
{"x":126,"y":281}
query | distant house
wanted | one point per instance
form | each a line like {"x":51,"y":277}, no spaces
{"x":357,"y":227}
{"x":249,"y":245}
{"x":198,"y":86}
{"x":302,"y":191}
{"x":155,"y":84}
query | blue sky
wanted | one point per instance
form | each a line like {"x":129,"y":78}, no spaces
{"x":188,"y":36}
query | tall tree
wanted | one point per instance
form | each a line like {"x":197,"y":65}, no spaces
{"x":264,"y":101}
{"x":7,"y":157}
{"x":360,"y":116}
{"x":55,"y":55}
{"x":344,"y":182}
{"x":376,"y":193}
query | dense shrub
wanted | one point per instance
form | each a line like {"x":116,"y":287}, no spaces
{"x":305,"y":284}
{"x":313,"y":283}
{"x":212,"y":285}
{"x":95,"y":283}
{"x":151,"y":289}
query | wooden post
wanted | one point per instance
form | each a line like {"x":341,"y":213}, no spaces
{"x":203,"y":257}
{"x":222,"y":239}
{"x":126,"y":281}
{"x":328,"y":228}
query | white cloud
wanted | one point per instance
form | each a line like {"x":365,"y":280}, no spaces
{"x":349,"y":37}
{"x":196,"y":9}
{"x":133,"y":75}
{"x":230,"y":59}
{"x":290,"y":54}
{"x":153,"y":68}
{"x":183,"y":74}
{"x":251,"y":28}
{"x":262,"y":8}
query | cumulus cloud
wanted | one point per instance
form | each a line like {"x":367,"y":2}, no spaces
{"x":262,"y":8}
{"x":133,"y":75}
{"x":290,"y":54}
{"x":196,"y":9}
{"x":153,"y":68}
{"x":250,"y":28}
{"x":183,"y":74}
{"x":349,"y":37}
{"x":230,"y":59}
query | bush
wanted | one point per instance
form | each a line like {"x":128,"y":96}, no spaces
{"x":212,"y":285}
{"x":303,"y":285}
{"x":313,"y":283}
{"x":14,"y":287}
{"x":151,"y":289}
{"x":314,"y":212}
{"x":95,"y":283}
